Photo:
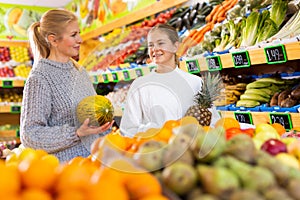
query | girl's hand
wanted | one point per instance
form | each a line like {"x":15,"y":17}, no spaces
{"x":85,"y":129}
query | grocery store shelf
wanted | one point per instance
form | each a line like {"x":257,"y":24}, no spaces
{"x":9,"y":134}
{"x":14,"y":43}
{"x":256,"y":56}
{"x":122,"y":75}
{"x":264,"y":117}
{"x":13,"y":109}
{"x":11,"y":83}
{"x":132,"y":17}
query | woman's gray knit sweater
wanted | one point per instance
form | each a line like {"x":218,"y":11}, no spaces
{"x":48,"y":116}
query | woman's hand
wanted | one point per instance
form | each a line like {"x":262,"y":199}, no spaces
{"x":85,"y":129}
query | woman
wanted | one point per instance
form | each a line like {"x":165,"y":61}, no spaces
{"x":164,"y":94}
{"x":53,"y":89}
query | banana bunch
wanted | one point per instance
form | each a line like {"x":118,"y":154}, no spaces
{"x":261,"y":91}
{"x":230,"y":94}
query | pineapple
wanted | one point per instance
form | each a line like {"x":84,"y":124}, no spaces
{"x":211,"y":88}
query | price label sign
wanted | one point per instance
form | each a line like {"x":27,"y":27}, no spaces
{"x":192,"y":66}
{"x":15,"y":109}
{"x":7,"y":83}
{"x":243,"y":117}
{"x":105,"y":78}
{"x":241,"y":59}
{"x":275,"y":54}
{"x":95,"y":79}
{"x":214,"y":63}
{"x":126,"y":75}
{"x":115,"y":77}
{"x":151,"y":68}
{"x":139,"y":72}
{"x":282,"y":118}
{"x":18,"y":133}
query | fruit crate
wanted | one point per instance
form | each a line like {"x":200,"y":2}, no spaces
{"x":233,"y":107}
{"x":293,"y":109}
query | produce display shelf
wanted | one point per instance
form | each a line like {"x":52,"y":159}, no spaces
{"x":264,"y":117}
{"x":11,"y":83}
{"x":6,"y":134}
{"x":121,"y":75}
{"x":13,"y":109}
{"x":14,"y":43}
{"x":132,"y":17}
{"x":256,"y":56}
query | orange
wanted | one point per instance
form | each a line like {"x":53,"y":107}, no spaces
{"x":35,"y":194}
{"x":72,"y":177}
{"x":155,"y":197}
{"x":170,"y":124}
{"x":279,"y":128}
{"x":164,"y":134}
{"x":227,"y":123}
{"x":10,"y":181}
{"x":117,"y":141}
{"x":37,"y":173}
{"x":51,"y":160}
{"x":107,"y":189}
{"x":206,"y":128}
{"x":71,"y":194}
{"x":141,"y":185}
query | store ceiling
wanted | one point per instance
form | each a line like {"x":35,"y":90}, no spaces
{"x":43,"y":3}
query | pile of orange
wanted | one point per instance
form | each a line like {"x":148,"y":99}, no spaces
{"x":227,"y":123}
{"x":36,"y":175}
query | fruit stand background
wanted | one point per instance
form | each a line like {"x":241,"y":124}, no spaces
{"x":17,"y":19}
{"x":91,"y":14}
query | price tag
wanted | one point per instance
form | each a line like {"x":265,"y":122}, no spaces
{"x":243,"y":117}
{"x":115,"y":76}
{"x":151,"y":68}
{"x":126,"y":75}
{"x":214,"y":63}
{"x":7,"y":83}
{"x":275,"y":54}
{"x":193,"y":66}
{"x":139,"y":72}
{"x":15,"y":109}
{"x":95,"y":79}
{"x":18,"y":133}
{"x":282,"y":118}
{"x":241,"y":59}
{"x":105,"y":78}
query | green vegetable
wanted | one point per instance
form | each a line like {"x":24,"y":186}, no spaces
{"x":278,"y":11}
{"x":249,"y":33}
{"x":290,"y":29}
{"x":269,"y":29}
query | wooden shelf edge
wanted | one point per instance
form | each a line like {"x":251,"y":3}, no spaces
{"x":16,"y":43}
{"x":257,"y":56}
{"x":132,"y":17}
{"x":263,"y":117}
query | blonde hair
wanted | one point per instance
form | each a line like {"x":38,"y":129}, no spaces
{"x":171,"y":33}
{"x":53,"y":22}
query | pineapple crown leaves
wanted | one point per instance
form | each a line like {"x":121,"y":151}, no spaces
{"x":212,"y":85}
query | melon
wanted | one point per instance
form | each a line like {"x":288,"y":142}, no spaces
{"x":97,"y":108}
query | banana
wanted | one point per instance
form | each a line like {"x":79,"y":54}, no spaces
{"x":234,"y":92}
{"x":258,"y":84}
{"x":278,"y":81}
{"x":255,"y":97}
{"x":265,"y":92}
{"x":241,"y":86}
{"x":247,"y":103}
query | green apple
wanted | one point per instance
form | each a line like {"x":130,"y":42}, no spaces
{"x":263,"y":132}
{"x":257,"y":143}
{"x":288,"y":160}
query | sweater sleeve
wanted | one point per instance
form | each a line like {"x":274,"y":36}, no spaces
{"x":35,"y":131}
